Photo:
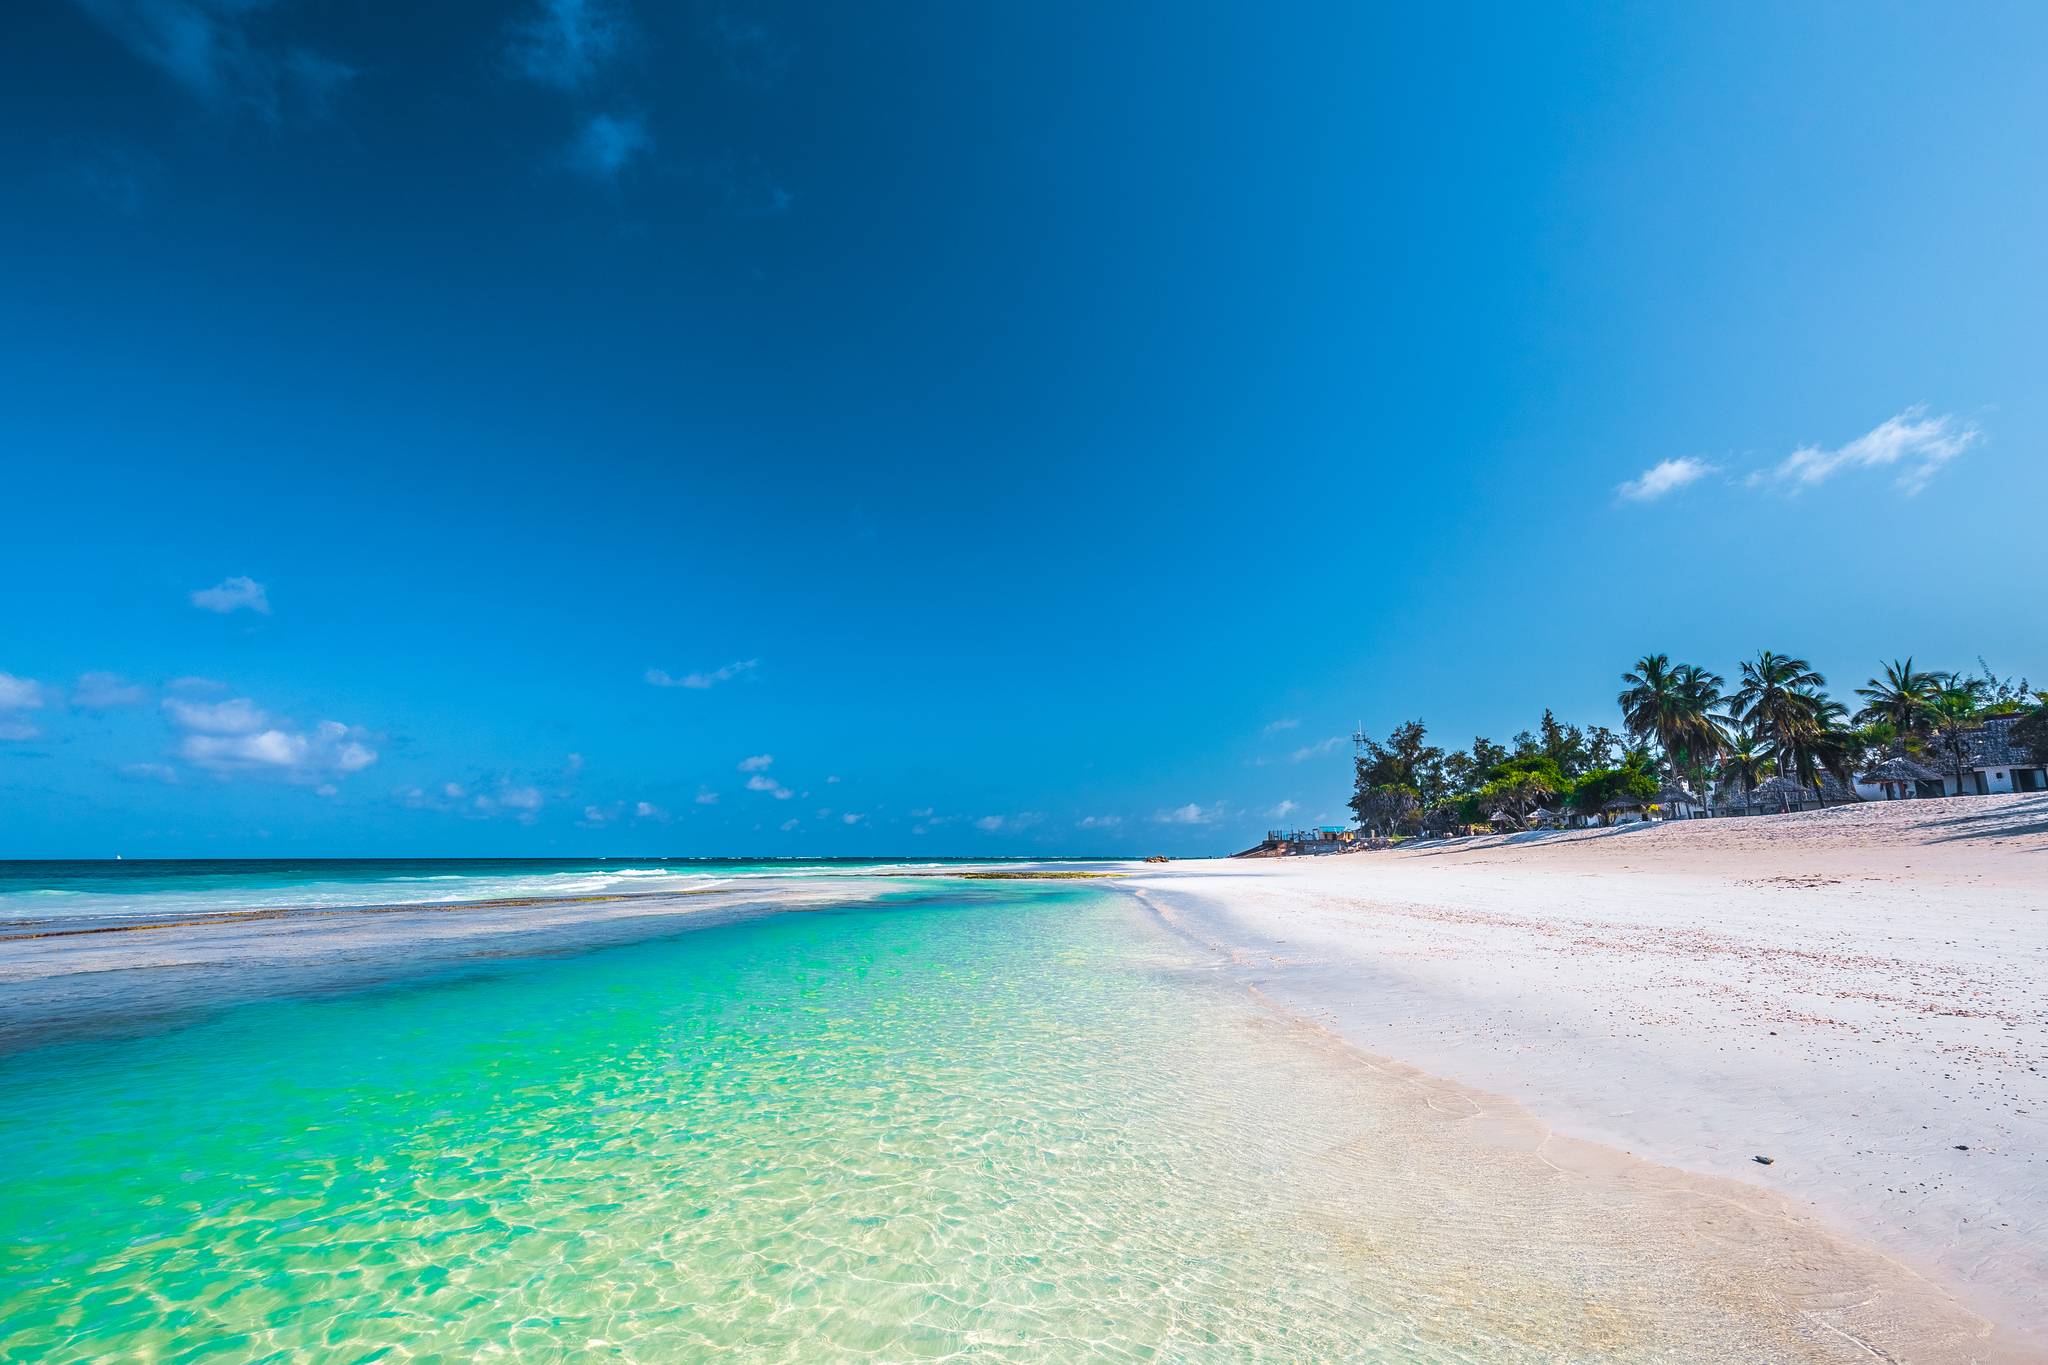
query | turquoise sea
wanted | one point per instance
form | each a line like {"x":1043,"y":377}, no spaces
{"x":914,"y":1116}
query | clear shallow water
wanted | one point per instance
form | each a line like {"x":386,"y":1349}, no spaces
{"x":921,"y":1129}
{"x":966,"y":1120}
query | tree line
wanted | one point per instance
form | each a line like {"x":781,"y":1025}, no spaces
{"x":1686,"y":730}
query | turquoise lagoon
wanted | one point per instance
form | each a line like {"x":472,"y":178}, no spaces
{"x":944,"y":1119}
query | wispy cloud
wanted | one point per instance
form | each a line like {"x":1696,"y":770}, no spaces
{"x":1283,"y":810}
{"x":233,"y":594}
{"x":150,"y":772}
{"x":647,"y":810}
{"x":215,"y":51}
{"x":752,"y":54}
{"x":707,"y":798}
{"x":758,"y":763}
{"x":122,"y":178}
{"x":564,"y":43}
{"x":1190,"y":814}
{"x":1664,"y":477}
{"x":607,"y":144}
{"x":505,"y":796}
{"x":106,"y":691}
{"x":20,"y":694}
{"x":661,"y":677}
{"x":1099,"y":821}
{"x":235,"y":716}
{"x":1320,"y":747}
{"x":1274,"y":727}
{"x":1912,"y":442}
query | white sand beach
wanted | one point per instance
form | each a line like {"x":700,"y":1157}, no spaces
{"x":1858,"y":994}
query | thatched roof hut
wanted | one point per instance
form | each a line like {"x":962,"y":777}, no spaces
{"x":1899,"y":768}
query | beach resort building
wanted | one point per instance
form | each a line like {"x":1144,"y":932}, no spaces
{"x":1993,"y":762}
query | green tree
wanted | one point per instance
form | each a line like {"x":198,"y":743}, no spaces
{"x":1898,"y":697}
{"x":1952,"y":713}
{"x":1746,"y":762}
{"x":2031,"y":729}
{"x":1775,"y":701}
{"x":1398,"y":779}
{"x":1674,"y":706}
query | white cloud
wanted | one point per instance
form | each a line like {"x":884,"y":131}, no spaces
{"x":1918,"y":444}
{"x":520,"y":798}
{"x":707,"y":798}
{"x":1190,"y":814}
{"x":237,"y":736}
{"x":1283,"y":810}
{"x":990,"y":823}
{"x":851,"y":818}
{"x":647,"y":810}
{"x":19,"y":694}
{"x":563,"y":43}
{"x":788,"y":825}
{"x":1100,"y":821}
{"x":1321,"y":746}
{"x":607,"y":144}
{"x":921,"y":813}
{"x":660,"y":677}
{"x":330,"y":749}
{"x":832,"y":781}
{"x":1285,"y":723}
{"x":236,"y":716}
{"x":759,"y":763}
{"x":762,"y":783}
{"x":233,"y":594}
{"x":105,"y":691}
{"x":211,"y":49}
{"x":1666,"y":476}
{"x":595,"y":815}
{"x":17,"y":730}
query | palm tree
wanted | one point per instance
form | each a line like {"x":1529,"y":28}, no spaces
{"x":1825,"y":744}
{"x":1953,"y":712}
{"x":1899,"y":698}
{"x":1702,"y":732}
{"x":1674,"y":706}
{"x":1775,"y":699}
{"x":1746,"y":761}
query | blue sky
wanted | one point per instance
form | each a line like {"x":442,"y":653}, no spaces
{"x":568,"y":428}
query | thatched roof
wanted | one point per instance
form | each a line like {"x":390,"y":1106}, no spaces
{"x":1626,"y":803}
{"x":1779,"y":790}
{"x":1672,"y":796}
{"x":1500,"y":817}
{"x":1899,"y":768}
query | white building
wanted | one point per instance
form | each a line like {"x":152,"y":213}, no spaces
{"x":1993,"y":761}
